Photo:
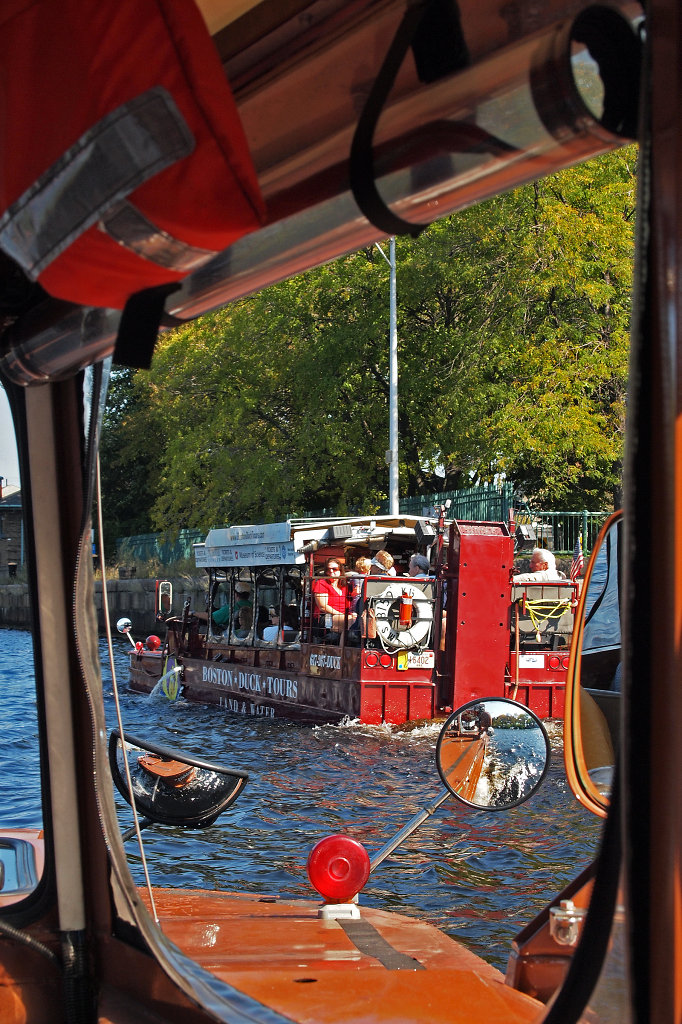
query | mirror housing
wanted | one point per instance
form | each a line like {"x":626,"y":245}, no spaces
{"x":171,"y":787}
{"x":592,"y":715}
{"x":163,"y":599}
{"x":492,"y":753}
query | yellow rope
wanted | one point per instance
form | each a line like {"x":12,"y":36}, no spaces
{"x":540,"y":610}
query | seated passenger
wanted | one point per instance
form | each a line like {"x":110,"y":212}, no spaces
{"x":329,"y":608}
{"x":222,"y":617}
{"x":244,"y":623}
{"x":263,"y":619}
{"x":419,"y":566}
{"x":363,"y":567}
{"x":271,"y":632}
{"x":382,"y":564}
{"x":542,"y":569}
{"x":291,"y":623}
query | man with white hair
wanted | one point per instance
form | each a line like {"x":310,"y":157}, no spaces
{"x":542,"y":569}
{"x":419,"y":566}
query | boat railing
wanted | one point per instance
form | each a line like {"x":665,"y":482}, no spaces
{"x":543,"y":613}
{"x":373,"y":607}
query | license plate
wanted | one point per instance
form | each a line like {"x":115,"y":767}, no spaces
{"x":531,"y":661}
{"x":423,"y":659}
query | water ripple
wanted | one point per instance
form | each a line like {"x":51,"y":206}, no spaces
{"x":479,"y":876}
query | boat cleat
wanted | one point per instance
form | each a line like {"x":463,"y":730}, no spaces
{"x":565,"y":922}
{"x":340,"y":911}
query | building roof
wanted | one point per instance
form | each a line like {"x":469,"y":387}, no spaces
{"x":11,"y":497}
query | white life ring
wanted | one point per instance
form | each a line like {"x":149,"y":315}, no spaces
{"x":417,"y":634}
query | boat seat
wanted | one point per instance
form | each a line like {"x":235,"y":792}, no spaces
{"x":546,"y":609}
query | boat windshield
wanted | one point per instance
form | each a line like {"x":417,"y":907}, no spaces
{"x":21,"y":809}
{"x":283,"y":606}
{"x":257,"y":606}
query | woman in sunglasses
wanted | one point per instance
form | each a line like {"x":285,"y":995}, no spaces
{"x":329,"y":612}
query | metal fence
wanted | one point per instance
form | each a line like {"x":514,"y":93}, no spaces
{"x":482,"y":504}
{"x":164,"y":548}
{"x":557,"y":531}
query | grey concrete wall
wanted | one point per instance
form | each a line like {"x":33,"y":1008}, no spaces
{"x":133,"y":598}
{"x":14,"y":606}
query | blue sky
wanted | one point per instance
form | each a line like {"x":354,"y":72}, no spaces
{"x":9,"y":465}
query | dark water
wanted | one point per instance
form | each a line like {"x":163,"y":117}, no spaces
{"x":480,"y":876}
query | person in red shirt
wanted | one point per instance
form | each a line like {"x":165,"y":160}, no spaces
{"x":329,"y":611}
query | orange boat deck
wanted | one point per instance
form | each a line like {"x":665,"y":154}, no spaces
{"x":462,"y":762}
{"x":381,"y":967}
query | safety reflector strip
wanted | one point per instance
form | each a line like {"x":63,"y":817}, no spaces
{"x":368,"y":940}
{"x":131,"y":229}
{"x":126,"y":148}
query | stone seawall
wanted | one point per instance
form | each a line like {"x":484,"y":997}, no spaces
{"x":14,"y":607}
{"x":133,"y":598}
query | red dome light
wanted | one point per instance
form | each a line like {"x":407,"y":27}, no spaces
{"x":338,"y":868}
{"x":153,"y":642}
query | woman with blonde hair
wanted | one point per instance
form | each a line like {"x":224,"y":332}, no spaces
{"x":363,"y":567}
{"x":383,"y":561}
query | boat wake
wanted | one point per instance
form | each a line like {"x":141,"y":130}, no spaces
{"x":509,"y":774}
{"x":409,"y":730}
{"x":168,"y":685}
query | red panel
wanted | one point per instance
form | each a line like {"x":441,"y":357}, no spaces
{"x":480,"y":561}
{"x":545,"y":699}
{"x":372,"y":704}
{"x":422,"y":701}
{"x":396,"y":704}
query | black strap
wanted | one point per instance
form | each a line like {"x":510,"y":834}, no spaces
{"x":618,"y":52}
{"x":438,"y":46}
{"x":585,"y":966}
{"x":432,"y":28}
{"x":368,"y":940}
{"x":18,"y":294}
{"x":139,"y":325}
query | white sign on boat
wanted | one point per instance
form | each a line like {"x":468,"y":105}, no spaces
{"x":254,"y":554}
{"x":264,"y":533}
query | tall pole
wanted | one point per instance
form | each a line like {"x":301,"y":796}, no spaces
{"x":393,"y":390}
{"x":392,"y":453}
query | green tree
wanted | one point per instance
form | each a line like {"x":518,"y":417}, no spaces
{"x":512,"y":327}
{"x":559,"y":433}
{"x":130,"y":453}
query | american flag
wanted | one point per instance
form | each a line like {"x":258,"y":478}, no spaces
{"x":578,"y":563}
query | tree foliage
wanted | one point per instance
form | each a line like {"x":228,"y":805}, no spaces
{"x":512,"y":328}
{"x":130,"y":458}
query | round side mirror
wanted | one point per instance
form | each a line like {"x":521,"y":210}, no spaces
{"x":493,"y":753}
{"x":169,"y":786}
{"x":124,"y":625}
